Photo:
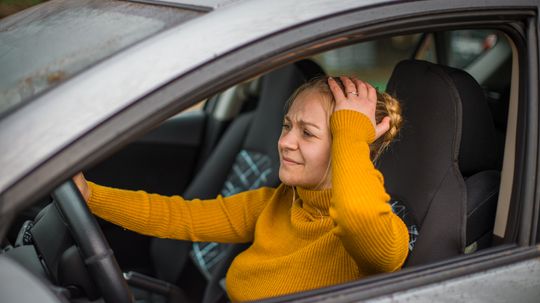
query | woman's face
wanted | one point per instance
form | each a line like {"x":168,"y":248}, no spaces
{"x":305,"y":142}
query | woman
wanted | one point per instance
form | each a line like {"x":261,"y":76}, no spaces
{"x":327,"y":223}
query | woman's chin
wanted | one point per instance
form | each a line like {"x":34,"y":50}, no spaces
{"x":294,"y":183}
{"x":288,"y":180}
{"x":297,"y":183}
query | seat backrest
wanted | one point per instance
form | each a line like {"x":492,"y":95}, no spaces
{"x":448,"y":138}
{"x":248,"y":146}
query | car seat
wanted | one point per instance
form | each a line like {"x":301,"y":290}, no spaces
{"x":249,"y":145}
{"x":443,"y":165}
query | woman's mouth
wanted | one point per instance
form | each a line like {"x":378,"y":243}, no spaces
{"x":289,"y":161}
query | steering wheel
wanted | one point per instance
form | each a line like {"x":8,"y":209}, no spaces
{"x":96,"y":252}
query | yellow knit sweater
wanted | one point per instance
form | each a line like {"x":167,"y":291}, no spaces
{"x":322,"y":238}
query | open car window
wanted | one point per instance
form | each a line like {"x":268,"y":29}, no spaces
{"x":372,"y":61}
{"x":154,"y":161}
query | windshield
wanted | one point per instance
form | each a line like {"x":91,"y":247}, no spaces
{"x":47,"y":44}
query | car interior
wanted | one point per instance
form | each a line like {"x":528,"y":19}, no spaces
{"x":450,"y":171}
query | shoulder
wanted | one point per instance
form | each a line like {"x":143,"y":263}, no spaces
{"x":255,"y":201}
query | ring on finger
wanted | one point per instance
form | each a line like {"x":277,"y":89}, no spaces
{"x":353,"y":93}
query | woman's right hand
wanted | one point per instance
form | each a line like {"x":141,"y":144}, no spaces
{"x":82,"y":185}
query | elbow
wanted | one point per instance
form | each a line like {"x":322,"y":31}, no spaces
{"x":379,"y":248}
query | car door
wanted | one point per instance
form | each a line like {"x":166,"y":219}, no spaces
{"x":513,"y":250}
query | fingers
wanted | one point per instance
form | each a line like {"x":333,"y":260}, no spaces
{"x":82,"y":185}
{"x":351,"y":88}
{"x":336,"y":90}
{"x":365,"y":90}
{"x":372,"y":93}
{"x":358,"y":96}
{"x":79,"y":178}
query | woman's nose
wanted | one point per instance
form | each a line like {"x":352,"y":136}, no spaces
{"x":287,"y":140}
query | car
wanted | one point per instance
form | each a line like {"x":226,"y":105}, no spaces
{"x":163,"y":96}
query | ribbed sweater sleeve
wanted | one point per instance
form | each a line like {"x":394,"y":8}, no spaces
{"x":230,"y":219}
{"x":370,"y":232}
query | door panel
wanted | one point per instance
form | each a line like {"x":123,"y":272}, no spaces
{"x":517,"y":282}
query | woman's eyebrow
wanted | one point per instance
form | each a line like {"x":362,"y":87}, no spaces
{"x":302,"y":122}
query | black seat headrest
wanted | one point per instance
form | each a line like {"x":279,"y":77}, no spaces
{"x":478,"y":147}
{"x":428,"y":145}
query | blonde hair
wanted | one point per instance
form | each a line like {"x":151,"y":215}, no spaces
{"x":386,"y":106}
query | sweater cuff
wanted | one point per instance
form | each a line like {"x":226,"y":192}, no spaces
{"x":352,"y":123}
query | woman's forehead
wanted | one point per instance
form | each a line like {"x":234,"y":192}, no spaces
{"x":309,"y":107}
{"x":310,"y":99}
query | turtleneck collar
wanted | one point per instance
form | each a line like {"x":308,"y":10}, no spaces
{"x":315,"y":201}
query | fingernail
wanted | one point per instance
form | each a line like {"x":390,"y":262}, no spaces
{"x":330,"y":78}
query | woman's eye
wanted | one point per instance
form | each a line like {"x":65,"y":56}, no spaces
{"x":307,"y":133}
{"x":285,"y":126}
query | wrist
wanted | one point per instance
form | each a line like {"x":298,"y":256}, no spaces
{"x":352,"y":124}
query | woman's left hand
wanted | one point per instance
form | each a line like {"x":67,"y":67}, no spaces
{"x":361,"y":97}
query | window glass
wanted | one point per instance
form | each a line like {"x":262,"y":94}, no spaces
{"x":372,"y":61}
{"x":465,"y":46}
{"x":462,"y":47}
{"x":426,"y":51}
